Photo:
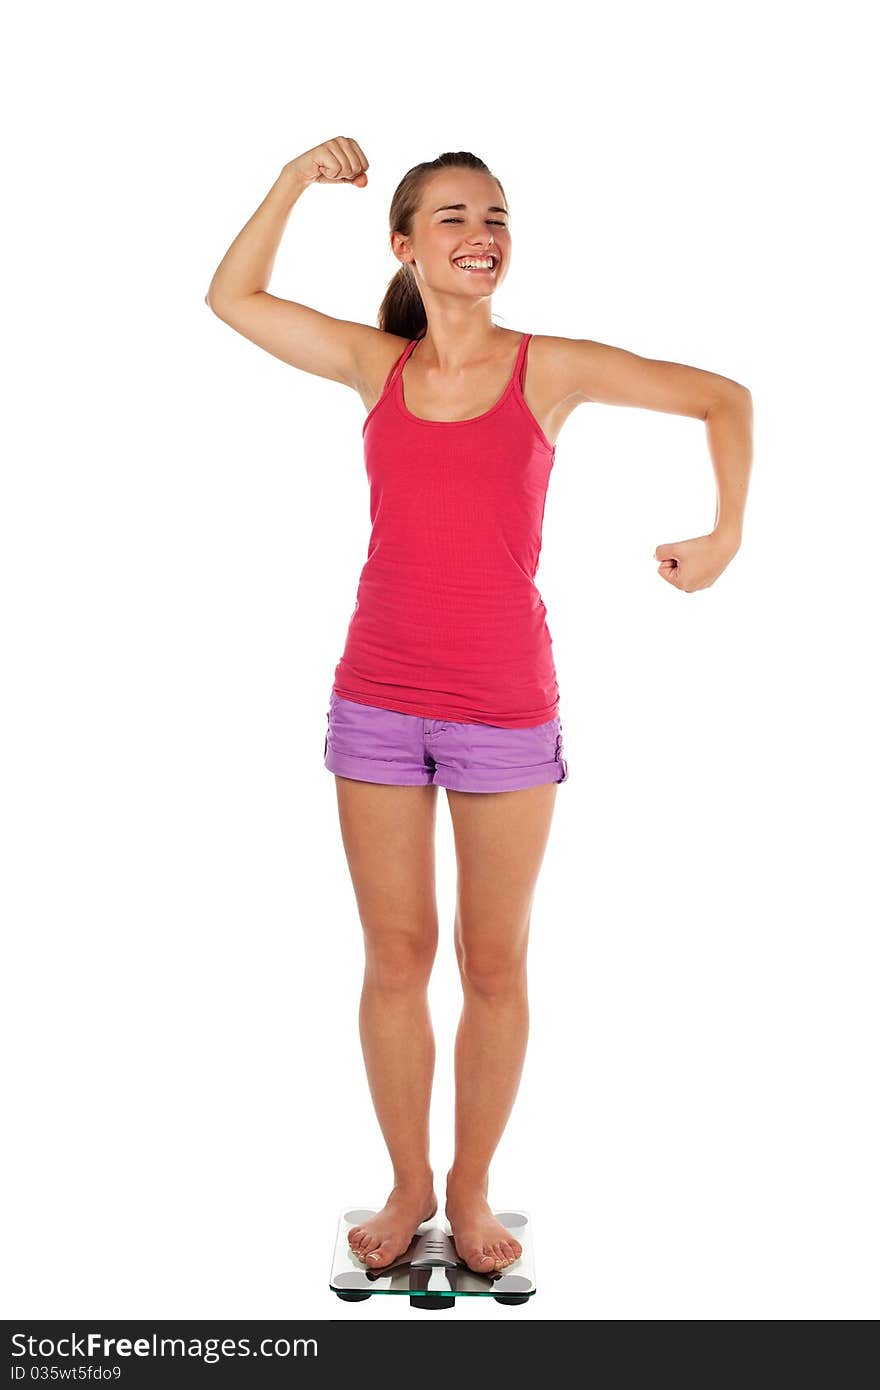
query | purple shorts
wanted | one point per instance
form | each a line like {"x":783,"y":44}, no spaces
{"x":406,"y":750}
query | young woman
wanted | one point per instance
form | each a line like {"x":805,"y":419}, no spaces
{"x":447,"y":677}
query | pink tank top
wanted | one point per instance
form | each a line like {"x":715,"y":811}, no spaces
{"x":448,"y":622}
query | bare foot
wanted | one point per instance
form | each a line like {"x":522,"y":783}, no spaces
{"x":385,"y":1236}
{"x":481,"y":1240}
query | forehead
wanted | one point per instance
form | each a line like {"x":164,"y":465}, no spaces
{"x":456,"y":186}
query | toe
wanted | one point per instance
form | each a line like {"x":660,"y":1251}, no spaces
{"x":382,"y":1255}
{"x":480,"y":1259}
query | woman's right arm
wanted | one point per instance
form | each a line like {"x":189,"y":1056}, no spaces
{"x":303,"y":337}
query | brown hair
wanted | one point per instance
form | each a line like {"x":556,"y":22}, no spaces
{"x":402,"y":310}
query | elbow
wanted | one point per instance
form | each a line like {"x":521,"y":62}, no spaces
{"x":733,"y":393}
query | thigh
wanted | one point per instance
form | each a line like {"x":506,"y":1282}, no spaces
{"x":500,"y":839}
{"x":388,"y":835}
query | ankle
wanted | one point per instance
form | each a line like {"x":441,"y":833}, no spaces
{"x":418,"y":1183}
{"x":463,"y":1180}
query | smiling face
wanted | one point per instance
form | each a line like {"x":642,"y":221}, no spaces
{"x":462,"y":218}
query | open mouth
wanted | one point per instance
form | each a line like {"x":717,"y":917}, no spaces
{"x":479,"y":268}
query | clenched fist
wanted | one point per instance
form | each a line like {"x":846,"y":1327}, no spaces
{"x":340,"y":160}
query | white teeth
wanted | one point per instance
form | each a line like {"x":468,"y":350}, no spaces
{"x":469,"y":264}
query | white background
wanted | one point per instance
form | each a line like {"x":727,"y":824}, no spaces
{"x":184,"y":519}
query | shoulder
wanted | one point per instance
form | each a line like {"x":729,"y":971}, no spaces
{"x":555,"y":367}
{"x":377,"y":353}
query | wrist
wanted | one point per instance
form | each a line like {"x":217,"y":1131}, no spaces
{"x":292,"y":180}
{"x":730,"y":532}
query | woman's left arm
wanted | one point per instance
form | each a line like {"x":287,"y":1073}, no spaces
{"x":591,"y":371}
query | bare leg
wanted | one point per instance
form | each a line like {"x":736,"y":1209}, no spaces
{"x":500,"y":840}
{"x":388,"y":834}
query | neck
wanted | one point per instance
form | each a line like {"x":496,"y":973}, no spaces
{"x":450,"y":348}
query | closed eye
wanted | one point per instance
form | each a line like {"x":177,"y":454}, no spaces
{"x":461,"y":219}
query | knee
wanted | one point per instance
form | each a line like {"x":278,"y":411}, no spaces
{"x":493,"y":975}
{"x":399,"y":962}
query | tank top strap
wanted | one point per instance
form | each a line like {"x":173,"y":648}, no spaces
{"x":399,"y":364}
{"x":392,"y":376}
{"x":396,"y":369}
{"x":519,"y":371}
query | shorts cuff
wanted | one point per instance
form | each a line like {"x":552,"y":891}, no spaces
{"x":503,"y":780}
{"x":371,"y":770}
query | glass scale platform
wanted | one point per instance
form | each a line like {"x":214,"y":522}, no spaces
{"x":430,"y":1272}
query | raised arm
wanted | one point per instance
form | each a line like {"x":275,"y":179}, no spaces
{"x":314,"y":342}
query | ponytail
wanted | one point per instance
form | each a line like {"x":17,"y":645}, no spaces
{"x":402,"y":311}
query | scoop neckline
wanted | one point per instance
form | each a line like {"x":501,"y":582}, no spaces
{"x":400,"y":399}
